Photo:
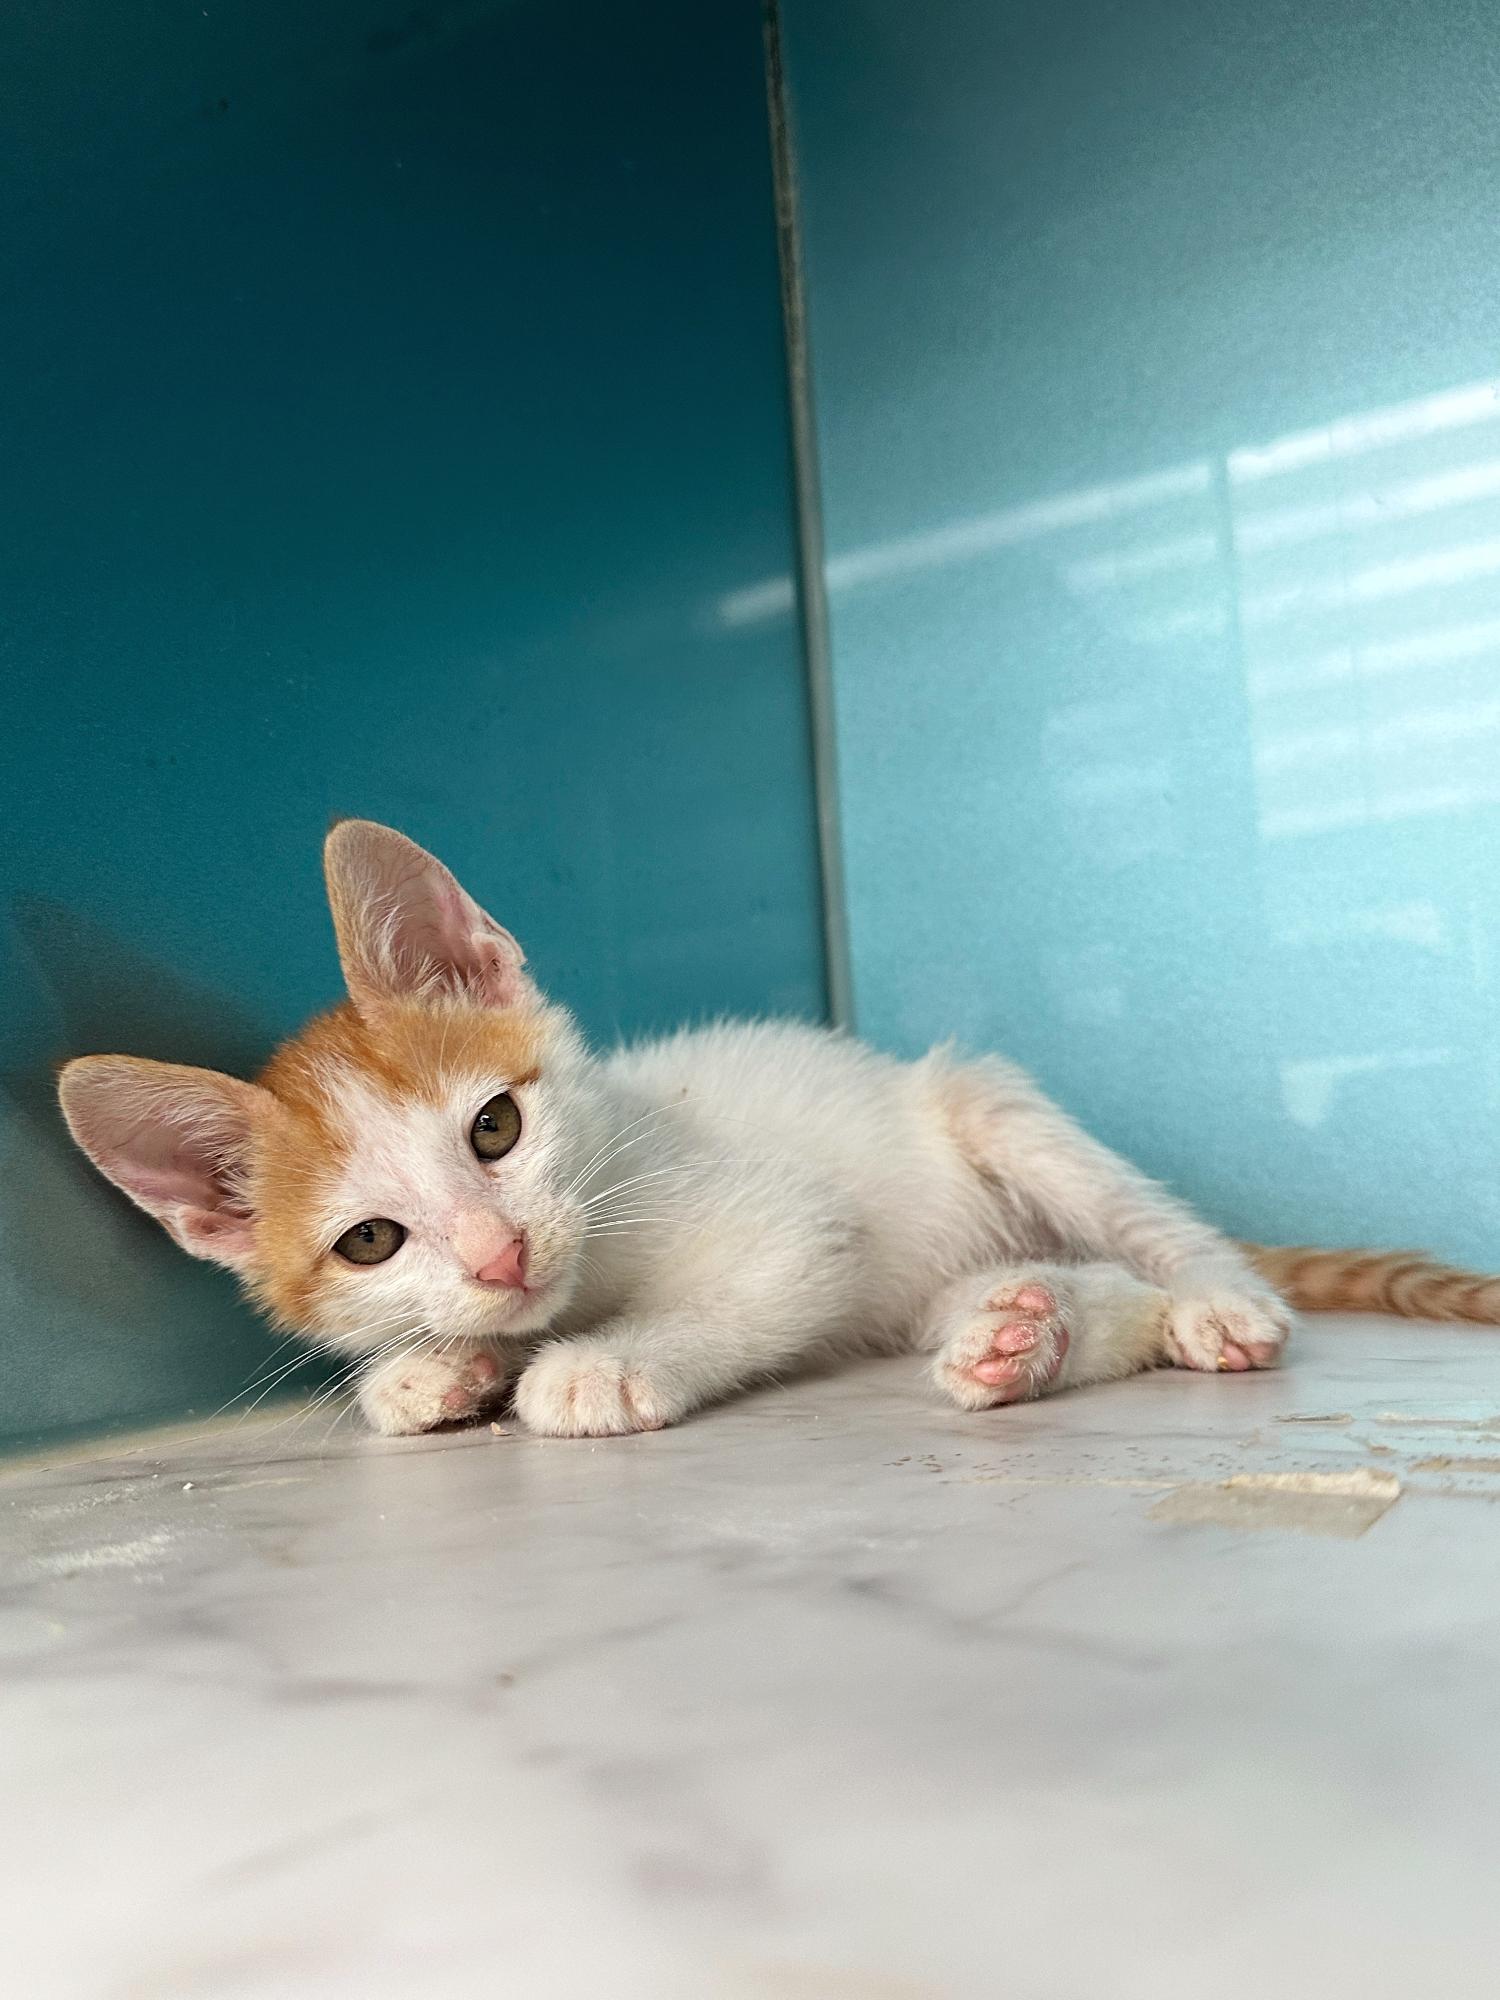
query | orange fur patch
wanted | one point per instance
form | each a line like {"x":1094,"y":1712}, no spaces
{"x":409,"y":1052}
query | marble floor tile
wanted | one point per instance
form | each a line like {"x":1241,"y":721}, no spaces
{"x":1182,"y":1687}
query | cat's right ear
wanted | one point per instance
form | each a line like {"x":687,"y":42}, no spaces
{"x":407,"y":931}
{"x":176,"y":1140}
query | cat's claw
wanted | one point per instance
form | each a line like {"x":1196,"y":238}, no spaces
{"x":575,"y":1390}
{"x":412,"y":1393}
{"x":1226,"y":1332}
{"x":1013,"y":1349}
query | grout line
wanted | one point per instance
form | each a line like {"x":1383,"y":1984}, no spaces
{"x":812,"y":586}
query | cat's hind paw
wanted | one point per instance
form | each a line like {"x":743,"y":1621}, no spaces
{"x":1012,"y":1349}
{"x":1227,"y":1332}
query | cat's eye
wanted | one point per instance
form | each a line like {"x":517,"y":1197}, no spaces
{"x":497,"y":1127}
{"x":371,"y":1242}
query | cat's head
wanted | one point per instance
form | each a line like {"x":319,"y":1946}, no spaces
{"x":408,"y":1160}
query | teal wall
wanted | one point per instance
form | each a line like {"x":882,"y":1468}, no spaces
{"x":394,"y":424}
{"x":1158,"y":396}
{"x":389,"y":395}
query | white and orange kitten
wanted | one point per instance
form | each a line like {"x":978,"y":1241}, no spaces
{"x":438,"y":1178}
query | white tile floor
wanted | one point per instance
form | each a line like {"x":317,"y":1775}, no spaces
{"x":834,"y":1692}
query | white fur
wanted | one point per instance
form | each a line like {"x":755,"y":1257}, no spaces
{"x":727,"y":1202}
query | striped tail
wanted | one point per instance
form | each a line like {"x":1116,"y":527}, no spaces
{"x":1373,"y":1281}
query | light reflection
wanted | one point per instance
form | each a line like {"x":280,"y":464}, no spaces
{"x":1430,"y":646}
{"x":1419,"y":923}
{"x":1205,"y":621}
{"x":1343,"y":583}
{"x":1437,"y":569}
{"x":1377,"y":507}
{"x":1380,"y":504}
{"x":1399,"y":732}
{"x":1394,"y":802}
{"x":1346,"y":437}
{"x":1259,"y":553}
{"x":754,"y":603}
{"x":1107,"y":572}
{"x":963,"y":541}
{"x":1308,"y":1089}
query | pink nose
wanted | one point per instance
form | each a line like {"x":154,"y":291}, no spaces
{"x":509,"y":1268}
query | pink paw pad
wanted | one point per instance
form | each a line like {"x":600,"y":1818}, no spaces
{"x":1017,"y":1336}
{"x":480,"y":1373}
{"x":1013,"y":1356}
{"x":1234,"y":1335}
{"x":1035,"y":1299}
{"x":1021,"y":1351}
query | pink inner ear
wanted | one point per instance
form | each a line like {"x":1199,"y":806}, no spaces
{"x":224,"y":1233}
{"x":178,"y":1174}
{"x":161,"y":1164}
{"x":496,"y":977}
{"x":407,"y":928}
{"x":451,"y":939}
{"x":174,"y":1139}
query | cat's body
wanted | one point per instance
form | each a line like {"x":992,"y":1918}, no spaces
{"x":440,"y":1178}
{"x":799,"y":1193}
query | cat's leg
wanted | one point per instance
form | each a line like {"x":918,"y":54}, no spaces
{"x":419,"y":1389}
{"x":640,"y":1373}
{"x":1022,"y":1330}
{"x":1079,"y":1195}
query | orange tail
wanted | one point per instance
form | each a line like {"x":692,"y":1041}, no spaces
{"x":1376,"y":1281}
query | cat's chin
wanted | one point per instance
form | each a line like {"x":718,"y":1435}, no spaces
{"x":532,"y":1311}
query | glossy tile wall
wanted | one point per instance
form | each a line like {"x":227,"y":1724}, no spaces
{"x":389,"y":397}
{"x":1158,"y":400}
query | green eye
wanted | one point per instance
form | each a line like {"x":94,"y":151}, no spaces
{"x":370,"y":1242}
{"x":497,"y":1127}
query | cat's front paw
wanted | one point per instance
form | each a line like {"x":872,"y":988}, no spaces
{"x":1229,"y":1331}
{"x":574,"y":1389}
{"x":418,"y":1392}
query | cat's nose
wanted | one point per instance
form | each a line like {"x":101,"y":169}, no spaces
{"x":508,"y":1268}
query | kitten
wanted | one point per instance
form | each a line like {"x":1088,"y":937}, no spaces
{"x":439,"y":1180}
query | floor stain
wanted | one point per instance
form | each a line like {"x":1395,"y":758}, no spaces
{"x":1063,"y":1479}
{"x":1341,"y":1504}
{"x":1488,"y":1426}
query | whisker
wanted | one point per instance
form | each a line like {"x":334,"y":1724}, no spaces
{"x":274,"y":1373}
{"x":635,"y":1180}
{"x":281,"y":1375}
{"x":596,"y":1162}
{"x":627,"y":1224}
{"x":669,"y":1213}
{"x":341,"y":1383}
{"x":613,"y":1140}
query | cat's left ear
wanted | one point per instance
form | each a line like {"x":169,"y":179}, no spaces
{"x":405,"y":928}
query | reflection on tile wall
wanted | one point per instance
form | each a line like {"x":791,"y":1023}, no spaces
{"x":1160,"y":423}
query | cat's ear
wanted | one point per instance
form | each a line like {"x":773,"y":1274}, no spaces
{"x":177,"y":1140}
{"x":406,"y":929}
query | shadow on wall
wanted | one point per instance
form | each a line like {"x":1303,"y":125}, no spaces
{"x":105,"y":1271}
